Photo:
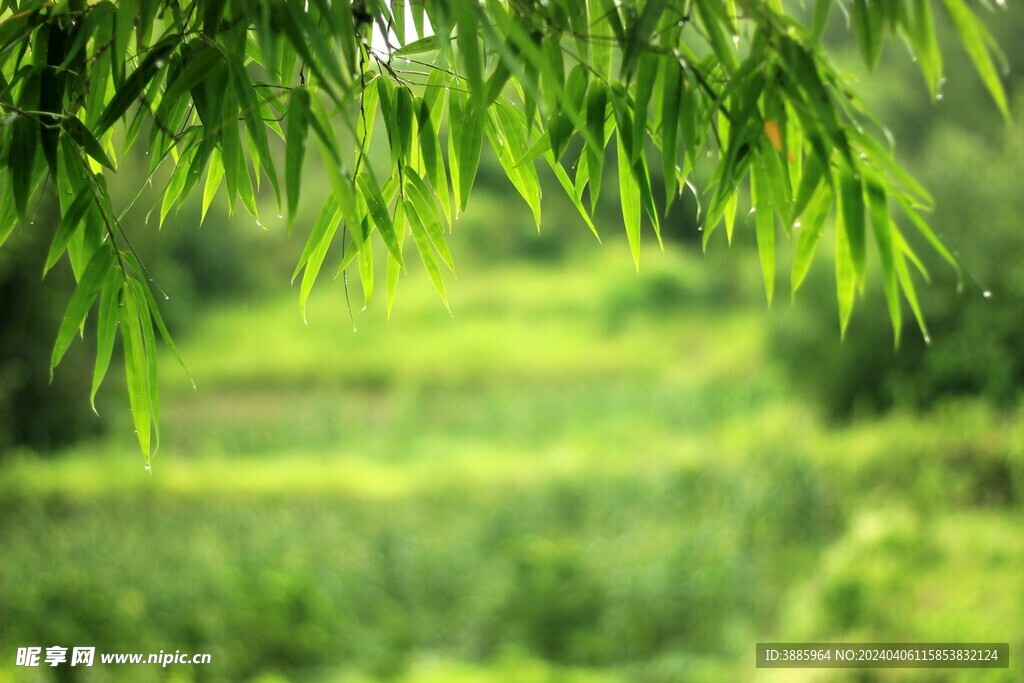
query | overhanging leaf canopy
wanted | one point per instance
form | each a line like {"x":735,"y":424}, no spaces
{"x":207,"y":86}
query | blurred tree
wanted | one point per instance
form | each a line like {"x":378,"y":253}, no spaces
{"x":745,"y":84}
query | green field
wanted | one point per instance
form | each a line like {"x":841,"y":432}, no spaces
{"x":582,"y":475}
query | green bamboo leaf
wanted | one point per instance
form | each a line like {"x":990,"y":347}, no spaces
{"x":81,"y":135}
{"x":882,"y":227}
{"x":468,"y":146}
{"x":455,"y":122}
{"x":137,"y":371}
{"x":428,"y":213}
{"x":24,"y":146}
{"x":365,"y":254}
{"x":717,"y":26}
{"x":907,"y":285}
{"x":123,"y":19}
{"x":69,"y":223}
{"x":419,"y":234}
{"x":764,"y":224}
{"x":317,"y":245}
{"x":106,"y":328}
{"x":672,"y":84}
{"x":629,"y":197}
{"x":645,"y":80}
{"x":149,"y":347}
{"x":603,"y":12}
{"x":298,"y":126}
{"x":846,"y":273}
{"x":378,"y":211}
{"x":405,"y":121}
{"x":809,"y":229}
{"x":851,"y":202}
{"x":418,"y":47}
{"x":153,"y":314}
{"x":729,"y":216}
{"x":317,"y":234}
{"x":933,"y":239}
{"x":394,"y":270}
{"x":868,"y":24}
{"x":430,"y":150}
{"x":213,"y":178}
{"x":921,"y":31}
{"x":469,"y":51}
{"x":135,"y":84}
{"x":201,"y":60}
{"x":508,"y":130}
{"x":81,"y":301}
{"x":822,"y":10}
{"x":975,"y":39}
{"x":254,"y":126}
{"x":597,"y":111}
{"x":308,"y":41}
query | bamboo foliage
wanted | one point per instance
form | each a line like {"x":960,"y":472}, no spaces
{"x":209,"y":87}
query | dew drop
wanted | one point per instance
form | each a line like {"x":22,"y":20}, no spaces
{"x":735,"y":40}
{"x":280,"y":215}
{"x":938,"y":97}
{"x":700,"y":228}
{"x":752,"y":211}
{"x":797,"y":225}
{"x":987,"y":294}
{"x":927,"y":340}
{"x":32,"y":222}
{"x":149,"y":469}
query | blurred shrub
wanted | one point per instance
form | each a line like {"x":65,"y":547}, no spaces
{"x":34,"y":412}
{"x":594,"y":571}
{"x":975,"y":336}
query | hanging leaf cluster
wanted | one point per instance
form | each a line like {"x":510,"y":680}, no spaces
{"x":216,"y":90}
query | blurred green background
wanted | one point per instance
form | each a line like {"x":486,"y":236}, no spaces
{"x":584,"y":474}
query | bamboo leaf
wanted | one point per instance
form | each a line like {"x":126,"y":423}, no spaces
{"x":298,"y":126}
{"x":764,"y":223}
{"x":852,"y":205}
{"x":882,"y":227}
{"x":427,"y":213}
{"x":81,"y":301}
{"x":135,"y":84}
{"x":137,"y":371}
{"x":379,"y":214}
{"x":423,"y":246}
{"x":629,"y":197}
{"x":975,"y":40}
{"x":81,"y":135}
{"x":106,"y":328}
{"x":69,"y":223}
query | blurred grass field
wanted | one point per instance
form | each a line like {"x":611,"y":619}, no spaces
{"x":584,"y":475}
